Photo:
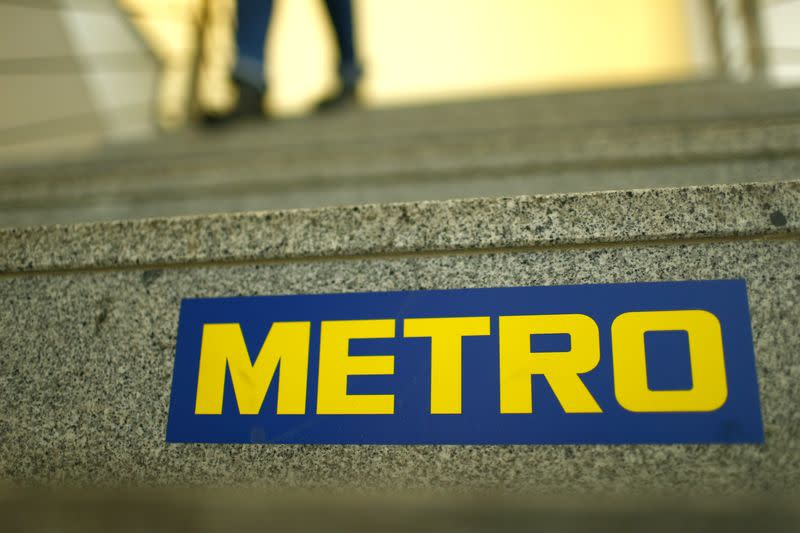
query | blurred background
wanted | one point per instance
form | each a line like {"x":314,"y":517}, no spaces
{"x":78,"y":74}
{"x":100,"y":107}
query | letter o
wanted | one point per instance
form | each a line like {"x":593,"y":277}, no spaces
{"x":709,"y":384}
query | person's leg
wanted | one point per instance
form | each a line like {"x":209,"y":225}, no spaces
{"x":341,"y":14}
{"x":252,"y":22}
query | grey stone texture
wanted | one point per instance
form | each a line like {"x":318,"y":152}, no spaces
{"x":685,"y":102}
{"x":646,"y":137}
{"x":89,"y":318}
{"x":257,"y":510}
{"x":228,"y":196}
{"x":425,"y":227}
{"x":90,"y":511}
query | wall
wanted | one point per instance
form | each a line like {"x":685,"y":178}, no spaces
{"x":422,"y":50}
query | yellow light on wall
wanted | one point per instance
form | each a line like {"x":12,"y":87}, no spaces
{"x":422,"y":50}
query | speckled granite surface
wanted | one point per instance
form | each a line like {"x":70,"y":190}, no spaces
{"x":86,"y":355}
{"x":695,"y":105}
{"x":678,"y":134}
{"x":605,"y":217}
{"x":260,"y":195}
{"x":397,"y":156}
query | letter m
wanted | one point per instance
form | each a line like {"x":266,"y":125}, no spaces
{"x":223,"y":348}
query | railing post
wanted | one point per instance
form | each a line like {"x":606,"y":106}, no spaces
{"x":715,"y":28}
{"x":756,"y":52}
{"x":201,"y":22}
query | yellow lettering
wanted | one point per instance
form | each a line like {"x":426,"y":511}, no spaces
{"x":709,"y":385}
{"x":561,"y":369}
{"x":223,"y":346}
{"x":446,"y":334}
{"x":336,"y":364}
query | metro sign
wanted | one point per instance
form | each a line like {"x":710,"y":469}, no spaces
{"x":668,"y":362}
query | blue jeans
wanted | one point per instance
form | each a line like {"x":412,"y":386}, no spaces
{"x":253,"y":18}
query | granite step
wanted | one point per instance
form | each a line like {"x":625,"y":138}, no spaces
{"x":599,"y":142}
{"x":628,"y":106}
{"x":259,"y":195}
{"x":88,"y":330}
{"x":90,"y":511}
{"x":689,"y":104}
{"x":511,"y":161}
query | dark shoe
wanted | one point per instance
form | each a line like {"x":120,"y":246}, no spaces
{"x":344,"y":98}
{"x":249,"y":106}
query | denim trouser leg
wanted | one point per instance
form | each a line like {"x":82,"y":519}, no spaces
{"x":341,"y":13}
{"x":253,"y":17}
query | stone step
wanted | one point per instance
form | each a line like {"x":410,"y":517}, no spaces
{"x":259,"y":195}
{"x":89,"y":318}
{"x":539,"y":145}
{"x":506,"y":163}
{"x":559,"y":115}
{"x":135,"y":510}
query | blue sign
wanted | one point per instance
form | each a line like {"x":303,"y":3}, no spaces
{"x":666,"y":362}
